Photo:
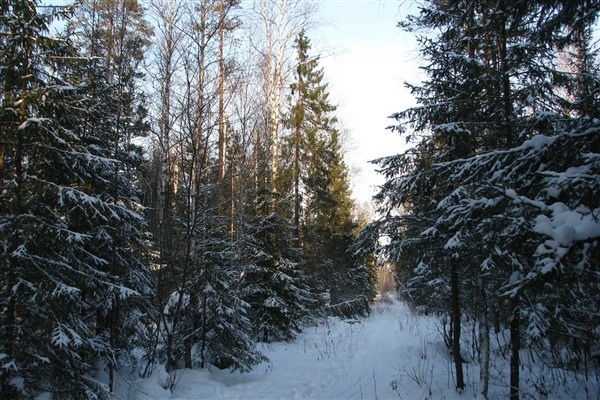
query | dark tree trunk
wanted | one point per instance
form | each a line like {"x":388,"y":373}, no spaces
{"x":484,"y":337}
{"x":203,"y":333}
{"x":297,"y":187}
{"x":509,"y":138}
{"x":460,"y":383}
{"x":515,"y":347}
{"x":188,"y":341}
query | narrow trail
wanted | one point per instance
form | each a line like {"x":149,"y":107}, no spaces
{"x":372,"y":365}
{"x":336,"y":360}
{"x":393,"y":354}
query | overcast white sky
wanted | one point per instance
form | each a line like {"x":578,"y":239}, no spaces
{"x":366,"y":59}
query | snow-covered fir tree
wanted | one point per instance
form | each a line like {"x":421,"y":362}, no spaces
{"x":214,"y":327}
{"x":114,"y":43}
{"x":74,"y":277}
{"x":272,"y":281}
{"x":464,"y":210}
{"x":318,"y":179}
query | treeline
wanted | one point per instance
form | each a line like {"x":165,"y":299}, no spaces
{"x":492,"y":217}
{"x":173,"y":190}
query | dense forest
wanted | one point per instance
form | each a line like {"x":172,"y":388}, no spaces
{"x":492,"y":217}
{"x":173,"y":190}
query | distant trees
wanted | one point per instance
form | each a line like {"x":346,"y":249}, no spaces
{"x":474,"y":209}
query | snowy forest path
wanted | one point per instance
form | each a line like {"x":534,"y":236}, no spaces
{"x":337,"y":359}
{"x":372,"y":360}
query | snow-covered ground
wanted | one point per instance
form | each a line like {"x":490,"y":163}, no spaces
{"x":393,"y":354}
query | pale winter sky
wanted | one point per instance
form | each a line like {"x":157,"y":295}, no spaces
{"x":366,"y":59}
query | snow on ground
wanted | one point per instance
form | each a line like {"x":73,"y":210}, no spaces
{"x":393,"y":354}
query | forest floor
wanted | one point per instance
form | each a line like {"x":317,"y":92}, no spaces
{"x":392,"y":354}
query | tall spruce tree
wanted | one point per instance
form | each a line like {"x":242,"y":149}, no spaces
{"x":67,"y":287}
{"x":271,"y":264}
{"x":113,"y":35}
{"x":320,"y":191}
{"x":272,"y":281}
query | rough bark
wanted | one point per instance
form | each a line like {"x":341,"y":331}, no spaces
{"x":484,"y":337}
{"x":515,"y":347}
{"x":460,"y":383}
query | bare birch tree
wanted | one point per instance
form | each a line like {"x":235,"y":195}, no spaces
{"x":275,"y":24}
